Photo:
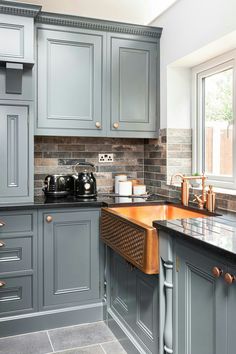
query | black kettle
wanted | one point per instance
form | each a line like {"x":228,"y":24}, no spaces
{"x":85,"y":182}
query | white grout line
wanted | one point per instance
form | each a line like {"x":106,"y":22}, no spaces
{"x":84,"y":346}
{"x":50,"y":341}
{"x":103,"y":349}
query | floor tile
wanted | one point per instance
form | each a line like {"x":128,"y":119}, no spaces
{"x":80,"y":336}
{"x":113,"y":348}
{"x":95,"y":349}
{"x":32,"y":343}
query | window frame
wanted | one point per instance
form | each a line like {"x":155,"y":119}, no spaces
{"x":213,"y":66}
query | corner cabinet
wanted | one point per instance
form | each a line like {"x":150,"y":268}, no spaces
{"x":70,"y":82}
{"x":16,"y":153}
{"x":98,"y":80}
{"x":133,"y":84}
{"x":70,"y":257}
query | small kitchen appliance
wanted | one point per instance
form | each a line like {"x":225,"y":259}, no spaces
{"x":85,"y":182}
{"x":58,"y":185}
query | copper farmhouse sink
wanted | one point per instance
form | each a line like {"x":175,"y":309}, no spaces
{"x":129,"y":231}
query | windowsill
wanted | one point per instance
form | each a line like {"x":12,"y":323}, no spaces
{"x":225,"y":191}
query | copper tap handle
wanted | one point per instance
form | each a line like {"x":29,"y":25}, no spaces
{"x":229,"y":278}
{"x":217,"y":272}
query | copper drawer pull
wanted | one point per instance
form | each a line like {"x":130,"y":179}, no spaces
{"x":229,"y":278}
{"x":49,"y":218}
{"x":2,"y":244}
{"x":217,"y":272}
{"x":2,"y":223}
{"x":2,"y":283}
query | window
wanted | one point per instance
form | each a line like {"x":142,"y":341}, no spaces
{"x":214,"y":146}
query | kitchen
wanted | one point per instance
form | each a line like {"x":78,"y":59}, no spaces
{"x":92,"y":271}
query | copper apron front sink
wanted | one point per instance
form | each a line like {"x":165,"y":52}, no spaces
{"x":129,"y":232}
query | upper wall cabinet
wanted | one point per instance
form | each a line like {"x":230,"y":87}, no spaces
{"x":99,"y":79}
{"x":70,"y":82}
{"x":17,"y":32}
{"x":133,"y":76}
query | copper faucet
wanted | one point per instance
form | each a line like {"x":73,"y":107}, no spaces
{"x":201,"y":199}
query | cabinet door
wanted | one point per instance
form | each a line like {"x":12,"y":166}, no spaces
{"x":70,"y":83}
{"x":200,"y":304}
{"x":15,"y":159}
{"x":70,"y":257}
{"x":133,"y":90}
{"x":16,"y":39}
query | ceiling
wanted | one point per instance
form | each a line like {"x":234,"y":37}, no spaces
{"x":132,"y":11}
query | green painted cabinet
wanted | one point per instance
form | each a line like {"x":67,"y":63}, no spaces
{"x":201,"y":303}
{"x":133,"y":85}
{"x":133,"y":302}
{"x":70,"y":257}
{"x":16,"y":152}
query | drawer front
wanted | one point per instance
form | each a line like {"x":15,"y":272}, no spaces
{"x":15,"y":222}
{"x":15,"y":254}
{"x":16,"y":295}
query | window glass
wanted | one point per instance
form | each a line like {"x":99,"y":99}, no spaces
{"x":218,"y":123}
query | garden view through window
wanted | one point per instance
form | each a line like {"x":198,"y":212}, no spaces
{"x":218,"y":123}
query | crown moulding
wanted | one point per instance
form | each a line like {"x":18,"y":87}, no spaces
{"x":19,"y":9}
{"x":99,"y":25}
{"x":28,"y":10}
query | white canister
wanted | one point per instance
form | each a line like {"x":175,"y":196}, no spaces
{"x":125,"y":188}
{"x":117,"y":179}
{"x":139,"y":189}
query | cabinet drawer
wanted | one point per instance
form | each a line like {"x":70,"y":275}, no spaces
{"x":15,"y":254}
{"x":15,"y":222}
{"x":16,"y":294}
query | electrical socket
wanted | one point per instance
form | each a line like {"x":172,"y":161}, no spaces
{"x":105,"y":158}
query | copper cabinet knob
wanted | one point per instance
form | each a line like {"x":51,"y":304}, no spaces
{"x":116,"y":125}
{"x":98,"y":125}
{"x":216,"y":272}
{"x":49,"y":218}
{"x":229,"y":278}
{"x":2,"y":283}
{"x":2,"y":223}
{"x":2,"y":244}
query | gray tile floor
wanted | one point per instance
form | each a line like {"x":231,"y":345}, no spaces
{"x":93,"y":338}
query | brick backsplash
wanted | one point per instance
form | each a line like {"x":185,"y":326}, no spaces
{"x":55,"y":155}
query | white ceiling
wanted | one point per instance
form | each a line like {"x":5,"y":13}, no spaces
{"x":132,"y":11}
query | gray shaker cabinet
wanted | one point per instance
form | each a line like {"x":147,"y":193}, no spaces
{"x":201,"y":304}
{"x":16,"y":153}
{"x":133,"y":85}
{"x":70,"y":261}
{"x":16,"y":39}
{"x":134,"y":301}
{"x":70,"y":82}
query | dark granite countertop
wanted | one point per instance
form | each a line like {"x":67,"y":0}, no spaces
{"x":72,"y":202}
{"x":217,"y":233}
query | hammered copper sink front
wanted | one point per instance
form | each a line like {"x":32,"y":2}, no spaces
{"x":129,"y":232}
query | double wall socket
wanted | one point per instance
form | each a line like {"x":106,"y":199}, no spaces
{"x":105,"y":158}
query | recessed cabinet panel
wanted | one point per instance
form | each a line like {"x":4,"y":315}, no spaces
{"x":16,"y":39}
{"x":70,"y":82}
{"x":133,"y":84}
{"x":16,"y":295}
{"x":14,"y":157}
{"x":201,"y":304}
{"x":71,"y":257}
